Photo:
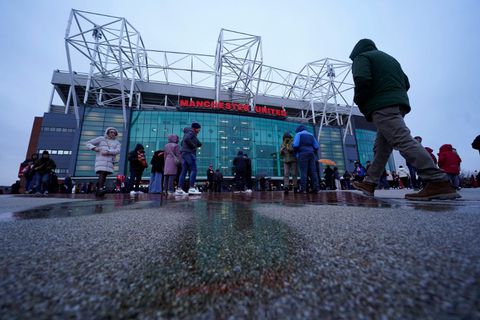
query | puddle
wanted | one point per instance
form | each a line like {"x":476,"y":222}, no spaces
{"x":230,"y":253}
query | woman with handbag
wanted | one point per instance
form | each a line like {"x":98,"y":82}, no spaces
{"x":172,"y":160}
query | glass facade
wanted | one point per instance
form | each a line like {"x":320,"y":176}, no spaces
{"x":365,"y":143}
{"x":95,"y":121}
{"x":222,"y":135}
{"x":331,"y":146}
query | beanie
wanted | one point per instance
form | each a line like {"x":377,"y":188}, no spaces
{"x":196,"y":125}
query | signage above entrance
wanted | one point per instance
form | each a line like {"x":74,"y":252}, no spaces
{"x":231,"y":106}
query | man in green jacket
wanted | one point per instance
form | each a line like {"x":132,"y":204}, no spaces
{"x":381,"y":94}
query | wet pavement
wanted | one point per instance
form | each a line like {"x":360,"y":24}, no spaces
{"x":260,"y":255}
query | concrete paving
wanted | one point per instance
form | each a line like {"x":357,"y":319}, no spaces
{"x":261,"y":255}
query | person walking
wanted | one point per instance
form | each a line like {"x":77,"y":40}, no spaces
{"x":449,"y":161}
{"x":172,"y":161}
{"x":240,"y":169}
{"x":289,"y":163}
{"x":381,"y":94}
{"x":158,"y":164}
{"x":138,"y":163}
{"x":106,"y":149}
{"x":189,"y":146}
{"x":305,"y":146}
{"x":43,"y":168}
{"x":210,"y":176}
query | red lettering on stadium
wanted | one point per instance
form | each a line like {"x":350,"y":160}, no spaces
{"x":231,"y":106}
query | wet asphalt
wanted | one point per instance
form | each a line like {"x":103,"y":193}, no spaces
{"x":263,"y":255}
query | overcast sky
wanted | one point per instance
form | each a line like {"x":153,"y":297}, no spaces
{"x":436,"y":42}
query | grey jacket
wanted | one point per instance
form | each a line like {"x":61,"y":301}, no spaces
{"x":190,"y":142}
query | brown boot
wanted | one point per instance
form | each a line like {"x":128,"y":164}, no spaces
{"x":435,"y":190}
{"x":367,"y":188}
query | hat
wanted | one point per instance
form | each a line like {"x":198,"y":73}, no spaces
{"x":196,"y":125}
{"x":45,"y":152}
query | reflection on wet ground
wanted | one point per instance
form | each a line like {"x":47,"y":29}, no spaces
{"x":113,"y":202}
{"x":230,"y":253}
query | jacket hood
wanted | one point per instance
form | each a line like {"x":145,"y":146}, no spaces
{"x":300,"y":128}
{"x":287,"y":135}
{"x":139,"y":146}
{"x":240,"y":153}
{"x":362,"y":46}
{"x":110,"y":128}
{"x":446,"y":148}
{"x":429,"y":149}
{"x":172,"y":138}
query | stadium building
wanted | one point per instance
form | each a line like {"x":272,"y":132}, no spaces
{"x":241,"y":103}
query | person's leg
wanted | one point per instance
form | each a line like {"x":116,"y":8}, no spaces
{"x":193,"y":170}
{"x":185,"y":168}
{"x":313,"y":169}
{"x":286,"y":174}
{"x":303,"y":164}
{"x":151,"y":185}
{"x":102,"y":176}
{"x":45,"y":180}
{"x":413,"y":176}
{"x":381,"y":151}
{"x":294,"y":175}
{"x":138,"y":180}
{"x":391,"y":125}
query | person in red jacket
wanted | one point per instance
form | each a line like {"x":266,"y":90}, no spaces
{"x":449,"y":161}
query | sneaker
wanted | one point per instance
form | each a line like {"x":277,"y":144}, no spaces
{"x":441,"y":190}
{"x":248,"y":191}
{"x":169,"y":193}
{"x":193,"y":191}
{"x":180,"y":192}
{"x":139,"y":192}
{"x":132,"y":193}
{"x":367,"y":188}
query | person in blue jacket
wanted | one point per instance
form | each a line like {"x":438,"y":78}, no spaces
{"x":305,"y":146}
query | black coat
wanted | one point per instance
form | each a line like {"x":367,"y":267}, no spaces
{"x":158,"y":161}
{"x":240,"y":163}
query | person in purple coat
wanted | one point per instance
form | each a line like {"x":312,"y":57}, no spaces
{"x":172,"y":158}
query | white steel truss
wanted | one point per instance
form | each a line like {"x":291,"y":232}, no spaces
{"x":238,"y":64}
{"x":114,"y":53}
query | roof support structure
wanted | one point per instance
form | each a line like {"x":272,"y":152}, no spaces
{"x":238,"y":65}
{"x":115,"y":53}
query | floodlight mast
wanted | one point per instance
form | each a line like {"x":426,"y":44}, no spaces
{"x":116,"y":57}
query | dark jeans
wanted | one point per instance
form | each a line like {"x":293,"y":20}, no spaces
{"x":413,"y":177}
{"x":135,"y":178}
{"x":189,"y":163}
{"x":240,"y":181}
{"x":308,"y":168}
{"x":41,"y":181}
